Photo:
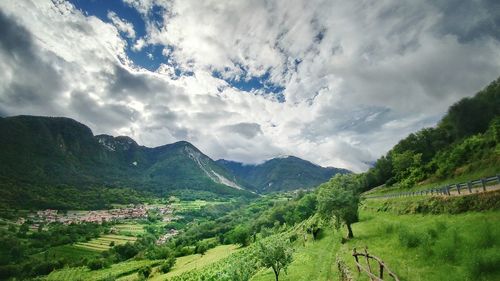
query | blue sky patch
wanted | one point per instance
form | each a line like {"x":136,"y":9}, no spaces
{"x":149,"y":57}
{"x":254,"y":83}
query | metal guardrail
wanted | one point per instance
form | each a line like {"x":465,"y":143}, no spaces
{"x":444,"y":190}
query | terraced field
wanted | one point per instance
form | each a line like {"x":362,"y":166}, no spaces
{"x":102,"y":243}
{"x":68,"y":252}
{"x":130,"y":229}
{"x":193,"y":205}
{"x":115,"y":271}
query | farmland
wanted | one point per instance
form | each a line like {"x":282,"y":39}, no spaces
{"x":115,"y":271}
{"x":181,"y":206}
{"x":104,"y":242}
{"x":130,"y":229}
{"x":193,"y":262}
{"x":69,"y":252}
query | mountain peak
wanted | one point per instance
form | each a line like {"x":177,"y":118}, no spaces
{"x":111,"y":143}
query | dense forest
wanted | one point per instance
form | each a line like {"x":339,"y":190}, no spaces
{"x":465,"y":140}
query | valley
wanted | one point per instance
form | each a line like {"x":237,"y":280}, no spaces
{"x":76,"y":206}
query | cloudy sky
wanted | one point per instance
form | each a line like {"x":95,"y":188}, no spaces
{"x":334,"y":82}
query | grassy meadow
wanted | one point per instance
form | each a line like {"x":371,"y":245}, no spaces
{"x":416,"y":247}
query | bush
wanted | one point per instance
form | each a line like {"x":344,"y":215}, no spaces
{"x":96,"y":264}
{"x":167,"y":265}
{"x":144,"y":272}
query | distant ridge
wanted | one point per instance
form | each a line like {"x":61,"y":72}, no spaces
{"x":282,"y":173}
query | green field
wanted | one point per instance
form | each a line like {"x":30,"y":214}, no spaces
{"x":192,"y":262}
{"x":130,"y":229}
{"x":431,"y":247}
{"x":193,"y":205}
{"x":115,"y":271}
{"x":103,"y":243}
{"x":415,"y":247}
{"x":69,"y":252}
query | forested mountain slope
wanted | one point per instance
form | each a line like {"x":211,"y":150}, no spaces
{"x":282,"y":174}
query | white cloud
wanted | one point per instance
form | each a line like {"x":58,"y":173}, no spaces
{"x":358,"y":76}
{"x":122,"y":25}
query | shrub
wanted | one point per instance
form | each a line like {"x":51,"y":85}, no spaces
{"x":96,"y":264}
{"x":144,"y":272}
{"x":167,"y":265}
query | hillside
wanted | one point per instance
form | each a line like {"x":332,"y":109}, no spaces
{"x":61,"y":151}
{"x":281,"y":174}
{"x":466,"y":141}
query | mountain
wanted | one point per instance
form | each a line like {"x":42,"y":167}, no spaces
{"x":62,"y":151}
{"x":281,"y":174}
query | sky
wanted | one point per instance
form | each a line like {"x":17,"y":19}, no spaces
{"x":337,"y":83}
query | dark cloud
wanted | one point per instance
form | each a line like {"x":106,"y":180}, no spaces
{"x":31,"y":81}
{"x":122,"y":81}
{"x":469,"y":20}
{"x":248,"y":130}
{"x":105,"y":117}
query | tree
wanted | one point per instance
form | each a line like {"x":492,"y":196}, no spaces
{"x":144,"y":272}
{"x":201,"y":248}
{"x":240,"y":235}
{"x":168,"y":264}
{"x":339,"y":199}
{"x":275,"y":253}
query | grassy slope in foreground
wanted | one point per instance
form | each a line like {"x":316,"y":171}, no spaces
{"x":431,"y":247}
{"x":415,"y":247}
{"x":315,"y":261}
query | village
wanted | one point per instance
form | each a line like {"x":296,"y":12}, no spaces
{"x":97,"y":216}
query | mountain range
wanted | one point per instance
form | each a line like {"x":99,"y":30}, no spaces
{"x":62,"y":151}
{"x":281,"y":173}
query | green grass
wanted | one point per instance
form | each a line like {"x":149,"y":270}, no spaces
{"x":68,"y":252}
{"x":103,"y":243}
{"x":113,"y":272}
{"x":192,"y":262}
{"x":314,"y":261}
{"x":416,"y":247}
{"x":430,"y":247}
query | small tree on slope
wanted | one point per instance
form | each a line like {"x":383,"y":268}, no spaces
{"x":275,"y":253}
{"x":339,"y":199}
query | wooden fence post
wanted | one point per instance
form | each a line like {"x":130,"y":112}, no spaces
{"x":368,"y":262}
{"x":469,"y":186}
{"x":458,"y":188}
{"x":356,"y":258}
